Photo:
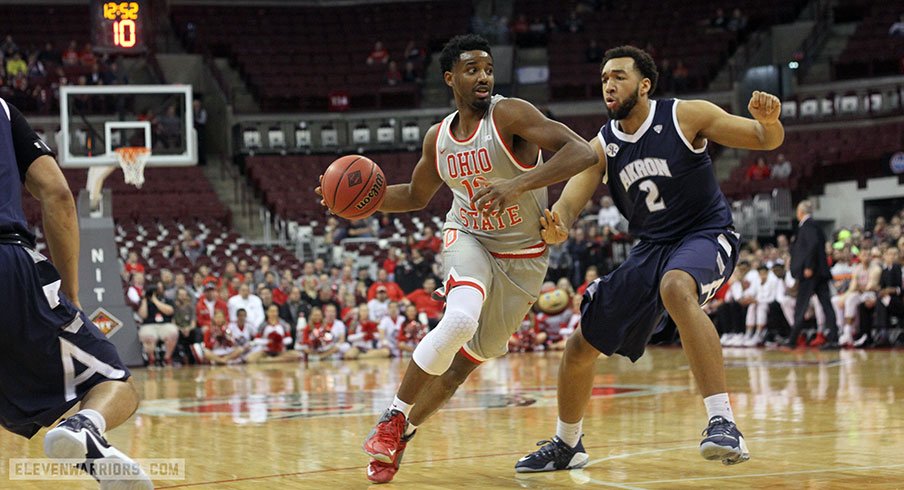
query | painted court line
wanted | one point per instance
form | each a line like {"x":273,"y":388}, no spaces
{"x":778,"y":473}
{"x":625,"y":485}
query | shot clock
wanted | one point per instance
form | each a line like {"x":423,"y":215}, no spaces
{"x":118,"y":27}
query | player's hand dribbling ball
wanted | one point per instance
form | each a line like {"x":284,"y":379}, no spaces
{"x":353,"y":187}
{"x":764,"y":107}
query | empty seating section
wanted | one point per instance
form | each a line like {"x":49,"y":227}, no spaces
{"x":819,"y":156}
{"x":673,"y":27}
{"x":169,"y":194}
{"x":295,"y":57}
{"x":286,"y":185}
{"x":870,"y":51}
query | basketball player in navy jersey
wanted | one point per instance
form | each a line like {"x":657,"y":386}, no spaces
{"x":53,"y":357}
{"x":652,"y":154}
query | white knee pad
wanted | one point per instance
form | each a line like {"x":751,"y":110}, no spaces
{"x":435,"y":352}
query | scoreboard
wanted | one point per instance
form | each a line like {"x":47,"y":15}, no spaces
{"x":118,"y":27}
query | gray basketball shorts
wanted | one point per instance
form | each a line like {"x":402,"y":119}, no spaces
{"x":510,"y":284}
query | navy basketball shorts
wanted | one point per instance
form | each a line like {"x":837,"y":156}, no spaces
{"x":51,"y":355}
{"x":621,"y":311}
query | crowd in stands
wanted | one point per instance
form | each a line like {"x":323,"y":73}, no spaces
{"x":756,"y":306}
{"x":31,"y":76}
{"x":253,"y":312}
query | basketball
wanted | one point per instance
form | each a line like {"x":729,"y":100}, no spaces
{"x":353,"y":187}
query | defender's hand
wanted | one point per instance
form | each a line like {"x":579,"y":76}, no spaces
{"x":493,"y":197}
{"x":551,"y":229}
{"x":764,"y":107}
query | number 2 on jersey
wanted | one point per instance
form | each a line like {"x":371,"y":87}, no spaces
{"x":654,"y":202}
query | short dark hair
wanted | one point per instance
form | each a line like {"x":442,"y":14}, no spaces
{"x":458,"y":45}
{"x":642,"y":61}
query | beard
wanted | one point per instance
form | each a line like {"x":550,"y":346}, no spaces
{"x":624,"y":109}
{"x":481,"y":104}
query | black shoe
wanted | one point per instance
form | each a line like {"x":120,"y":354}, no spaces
{"x":553,"y":455}
{"x":723,"y":442}
{"x":830,"y":346}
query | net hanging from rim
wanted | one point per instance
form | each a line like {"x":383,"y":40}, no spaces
{"x":132,"y":159}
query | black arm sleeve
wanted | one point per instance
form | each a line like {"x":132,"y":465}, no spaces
{"x":26,"y":142}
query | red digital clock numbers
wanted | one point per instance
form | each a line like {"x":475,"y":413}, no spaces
{"x":117,"y":26}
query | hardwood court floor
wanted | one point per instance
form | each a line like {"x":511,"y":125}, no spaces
{"x":812,"y":420}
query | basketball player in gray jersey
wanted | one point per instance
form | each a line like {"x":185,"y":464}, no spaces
{"x":494,"y":263}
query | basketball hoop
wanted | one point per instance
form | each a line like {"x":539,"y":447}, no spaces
{"x":132,"y":159}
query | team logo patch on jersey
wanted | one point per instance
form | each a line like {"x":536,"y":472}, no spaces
{"x":354,"y":178}
{"x":611,"y":150}
{"x":657,"y":128}
{"x":105,"y":322}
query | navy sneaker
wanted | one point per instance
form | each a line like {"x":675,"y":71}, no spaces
{"x":553,"y":455}
{"x":77,"y":438}
{"x":723,"y":442}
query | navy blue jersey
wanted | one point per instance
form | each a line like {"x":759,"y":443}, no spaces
{"x":660,"y":183}
{"x":19,"y":147}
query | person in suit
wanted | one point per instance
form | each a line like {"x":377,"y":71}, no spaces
{"x":811,"y":270}
{"x":891,"y":294}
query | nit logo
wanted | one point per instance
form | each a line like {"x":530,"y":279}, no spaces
{"x":354,"y":178}
{"x":105,"y":322}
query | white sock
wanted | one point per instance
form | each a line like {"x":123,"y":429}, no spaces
{"x":410,"y":430}
{"x":569,"y":433}
{"x":401,"y":406}
{"x":718,"y":404}
{"x":95,"y":417}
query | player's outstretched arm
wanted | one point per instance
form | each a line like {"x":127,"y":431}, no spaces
{"x":45,"y":181}
{"x":702,"y":119}
{"x":414,"y":195}
{"x":572,"y":154}
{"x":579,"y":189}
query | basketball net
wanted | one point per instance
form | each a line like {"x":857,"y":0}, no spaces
{"x":132,"y":160}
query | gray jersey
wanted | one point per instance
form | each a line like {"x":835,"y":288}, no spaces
{"x":484,"y":156}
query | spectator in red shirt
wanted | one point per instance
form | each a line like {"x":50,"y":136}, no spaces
{"x":132,"y":265}
{"x":378,"y":55}
{"x":391,"y":261}
{"x":392,"y":289}
{"x":430,"y":242}
{"x":135,"y":293}
{"x":393,"y":74}
{"x":412,"y":330}
{"x":208,"y":304}
{"x":591,"y":275}
{"x":86,"y":57}
{"x":70,"y":55}
{"x":758,"y":170}
{"x":423,"y":300}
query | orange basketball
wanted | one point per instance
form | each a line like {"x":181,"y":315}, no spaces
{"x":353,"y":187}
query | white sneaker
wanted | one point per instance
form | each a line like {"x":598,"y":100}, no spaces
{"x":77,"y":438}
{"x":751,"y":341}
{"x":861,"y":341}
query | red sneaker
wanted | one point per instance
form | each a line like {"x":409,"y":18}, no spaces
{"x":818,"y":341}
{"x":801,"y":340}
{"x":380,"y":472}
{"x":385,"y":439}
